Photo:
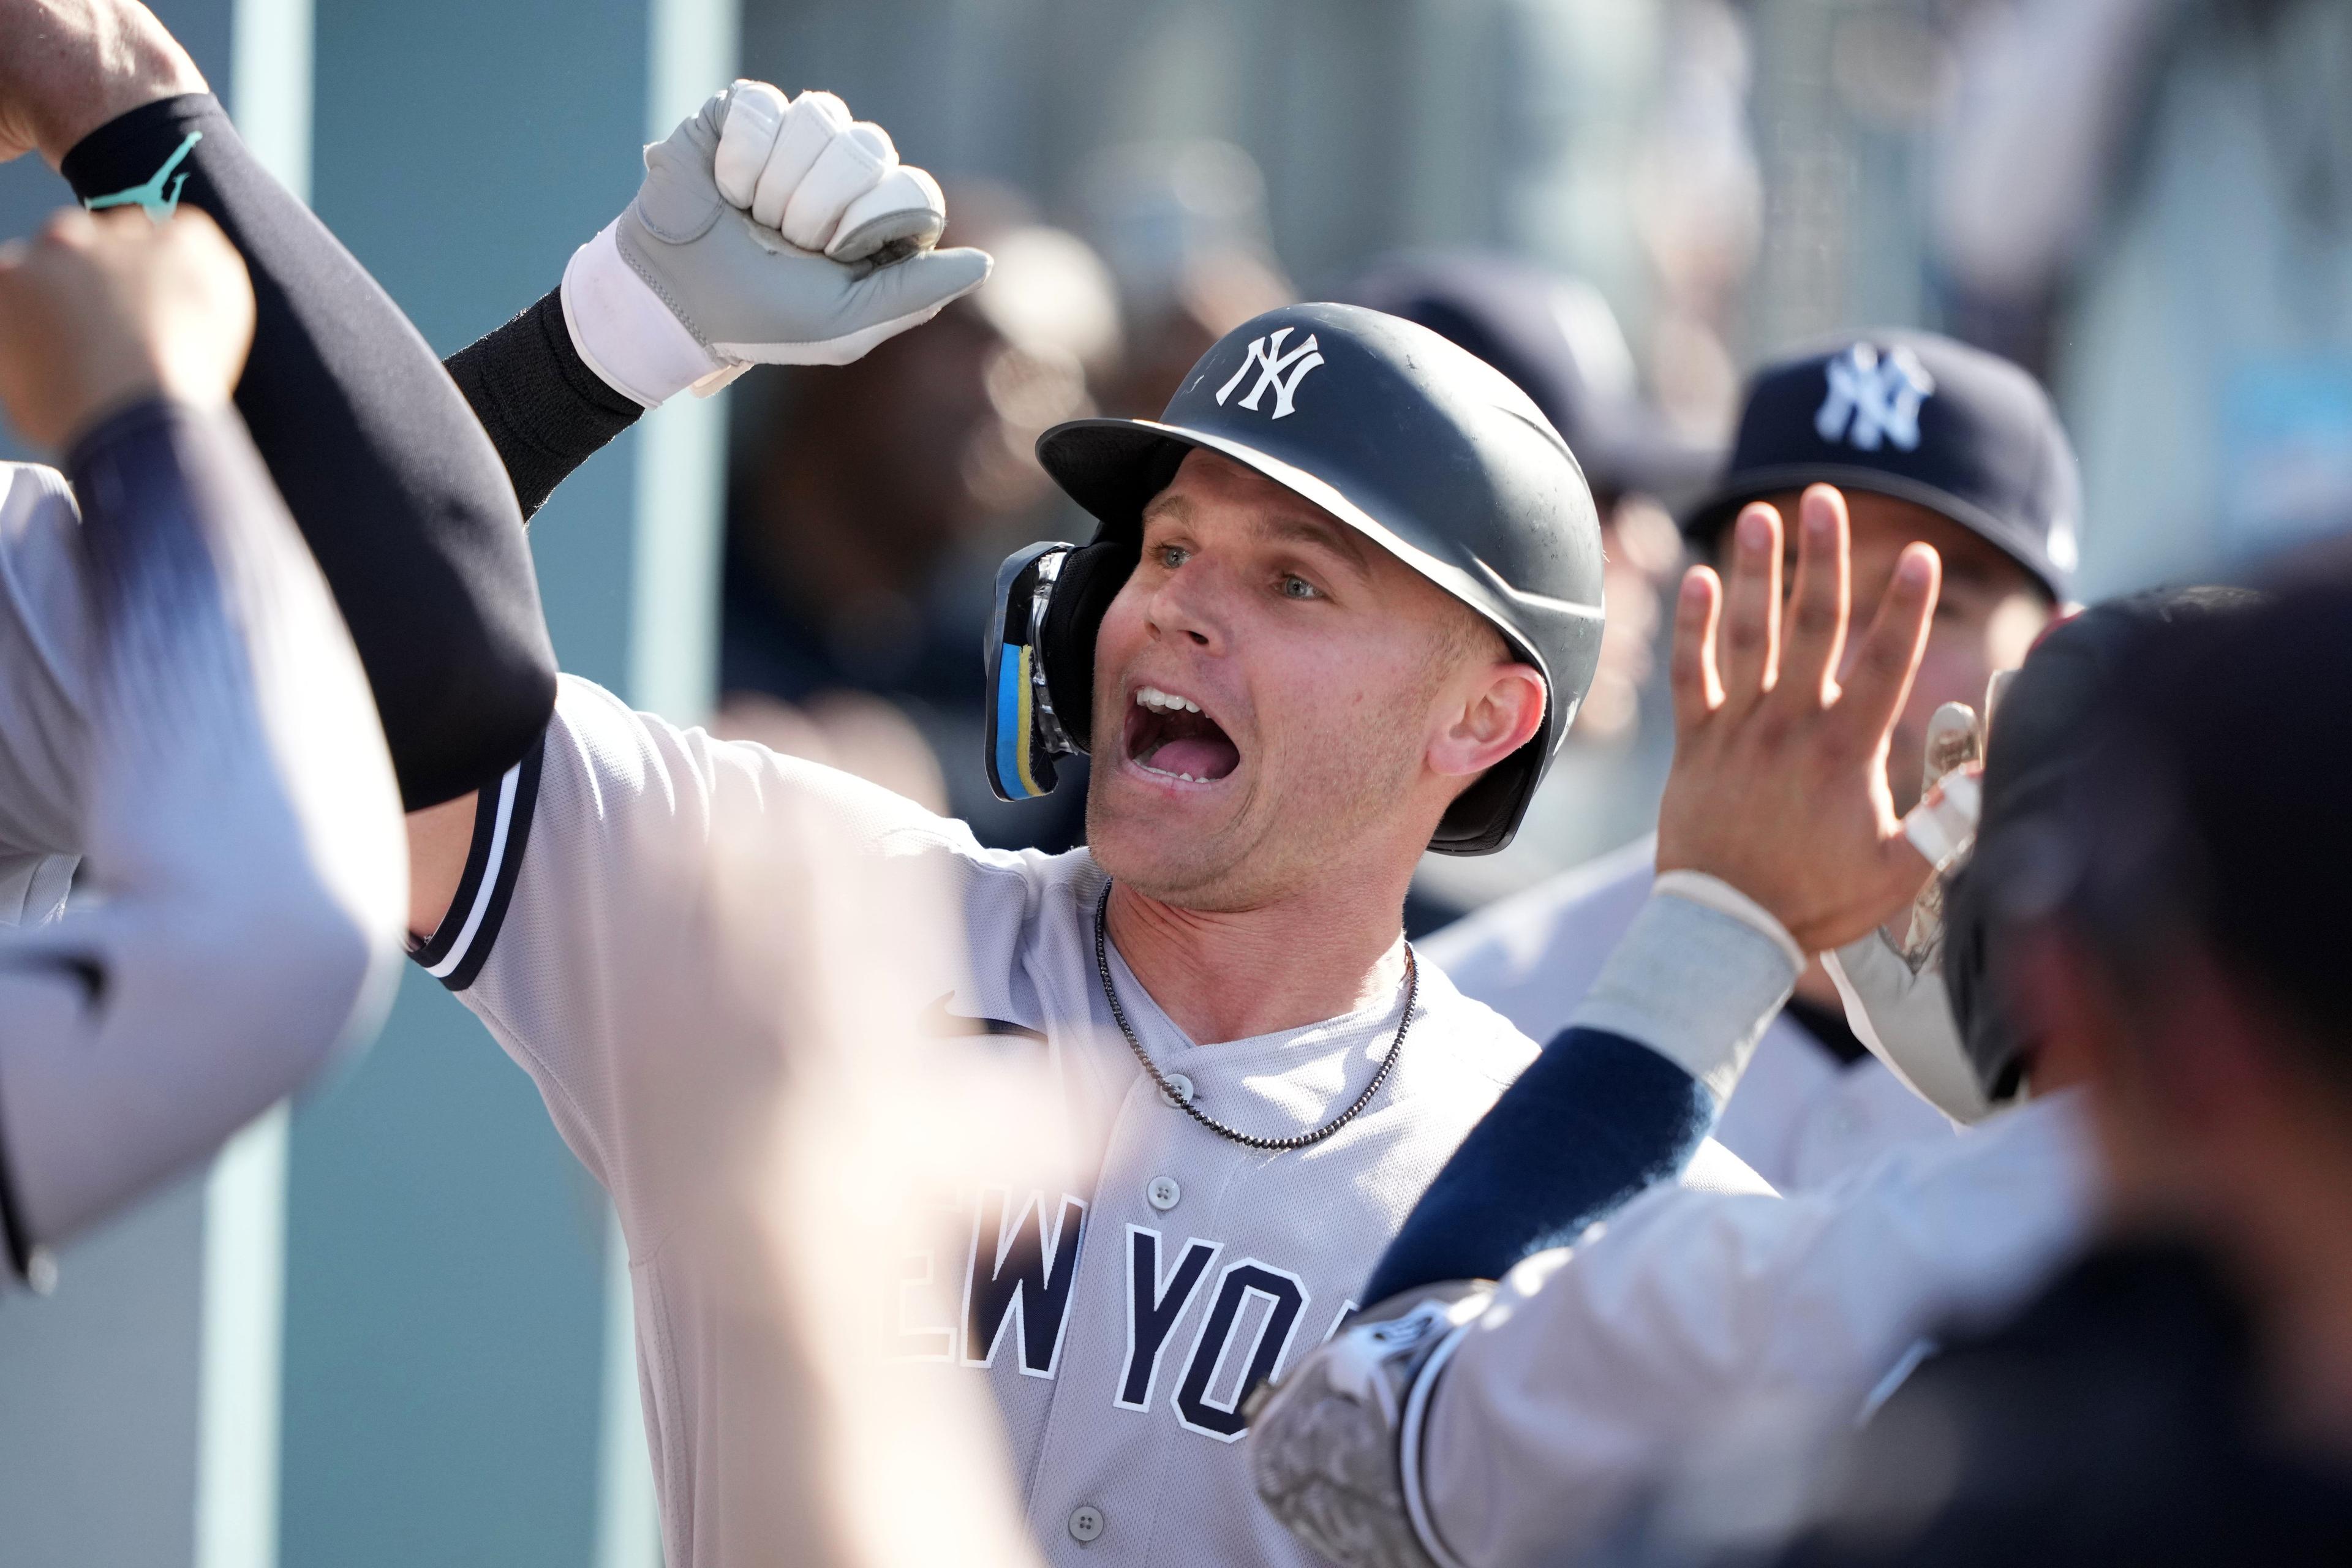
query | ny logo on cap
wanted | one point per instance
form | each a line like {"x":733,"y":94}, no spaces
{"x":1281,"y":371}
{"x":1871,"y":400}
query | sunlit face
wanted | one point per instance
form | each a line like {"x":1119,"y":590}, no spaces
{"x":1277,"y":699}
{"x":1988,"y":614}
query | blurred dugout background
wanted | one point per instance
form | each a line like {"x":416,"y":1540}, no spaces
{"x":389,"y":1330}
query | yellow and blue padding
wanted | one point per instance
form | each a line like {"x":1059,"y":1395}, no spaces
{"x":1022,"y":740}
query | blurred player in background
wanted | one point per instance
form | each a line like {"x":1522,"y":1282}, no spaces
{"x":180,"y":705}
{"x":1932,"y":442}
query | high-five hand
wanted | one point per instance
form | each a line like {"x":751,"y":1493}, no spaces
{"x":767,"y":231}
{"x":1778,"y":784}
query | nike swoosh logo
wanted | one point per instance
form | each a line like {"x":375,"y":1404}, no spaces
{"x":938,"y":1021}
{"x":89,"y":971}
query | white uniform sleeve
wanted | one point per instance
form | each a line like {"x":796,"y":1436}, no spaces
{"x":43,"y":641}
{"x":591,"y":931}
{"x":186,"y":706}
{"x":1703,"y":1321}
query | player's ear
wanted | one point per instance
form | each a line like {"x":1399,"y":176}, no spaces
{"x":1500,"y":707}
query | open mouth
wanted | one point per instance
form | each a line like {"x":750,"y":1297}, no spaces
{"x":1169,"y":735}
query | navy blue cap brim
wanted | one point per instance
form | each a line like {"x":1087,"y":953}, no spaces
{"x":1704,"y":522}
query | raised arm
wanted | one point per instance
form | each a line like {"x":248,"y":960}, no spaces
{"x":242,"y":824}
{"x":385,"y":469}
{"x":767,"y":231}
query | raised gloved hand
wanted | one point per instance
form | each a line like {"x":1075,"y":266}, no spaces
{"x":767,"y":231}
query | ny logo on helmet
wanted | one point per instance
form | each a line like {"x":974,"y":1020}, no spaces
{"x":1871,"y":400}
{"x":1283,"y":371}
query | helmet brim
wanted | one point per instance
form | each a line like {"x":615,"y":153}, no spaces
{"x":1114,"y":466}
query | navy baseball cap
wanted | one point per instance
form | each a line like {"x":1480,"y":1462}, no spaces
{"x":1921,"y":418}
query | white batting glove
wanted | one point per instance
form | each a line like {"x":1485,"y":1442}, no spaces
{"x":767,"y":231}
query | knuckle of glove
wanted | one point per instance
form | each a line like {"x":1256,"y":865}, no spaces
{"x":755,"y":114}
{"x":810,"y":126}
{"x":852,"y":164}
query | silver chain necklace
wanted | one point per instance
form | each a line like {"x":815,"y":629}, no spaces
{"x":1185,"y":1102}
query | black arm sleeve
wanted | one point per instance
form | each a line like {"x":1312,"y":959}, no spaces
{"x":385,"y":469}
{"x":546,"y":412}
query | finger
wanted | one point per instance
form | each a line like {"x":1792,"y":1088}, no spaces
{"x":1751,"y":607}
{"x":1820,"y":601}
{"x":921,"y":286}
{"x":852,"y":164}
{"x":1874,"y":689}
{"x":810,"y":126}
{"x":906,"y":213}
{"x":1691,"y":667}
{"x":755,"y":114}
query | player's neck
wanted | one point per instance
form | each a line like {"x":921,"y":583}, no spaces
{"x":1230,"y":975}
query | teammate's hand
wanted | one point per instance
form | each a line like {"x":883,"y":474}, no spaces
{"x":1778,"y":784}
{"x":102,"y":310}
{"x":766,"y":231}
{"x":68,"y":66}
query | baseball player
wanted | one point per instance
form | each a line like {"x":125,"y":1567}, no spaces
{"x":1340,"y":608}
{"x":180,"y":702}
{"x":1931,"y":441}
{"x":1702,"y":1341}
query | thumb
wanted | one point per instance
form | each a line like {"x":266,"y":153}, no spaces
{"x":918,"y":286}
{"x":679,"y":198}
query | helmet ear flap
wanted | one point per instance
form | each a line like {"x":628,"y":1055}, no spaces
{"x":1090,"y":579}
{"x":1039,"y":653}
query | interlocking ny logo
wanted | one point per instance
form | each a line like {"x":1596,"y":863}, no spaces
{"x":151,"y":195}
{"x":1873,"y":399}
{"x":1281,"y":371}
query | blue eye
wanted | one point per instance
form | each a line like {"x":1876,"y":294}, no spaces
{"x":1170,"y":555}
{"x":1294,"y":588}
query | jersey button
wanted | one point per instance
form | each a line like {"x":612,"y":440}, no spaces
{"x":1163,"y":1193}
{"x":1085,"y":1522}
{"x":1181,"y":1088}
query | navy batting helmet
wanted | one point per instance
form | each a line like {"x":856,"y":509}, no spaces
{"x":1427,"y":451}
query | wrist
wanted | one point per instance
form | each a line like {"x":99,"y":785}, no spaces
{"x":127,"y":71}
{"x":623,"y":331}
{"x":1695,"y":978}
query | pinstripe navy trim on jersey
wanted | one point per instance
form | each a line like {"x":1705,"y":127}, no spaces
{"x":502,"y":814}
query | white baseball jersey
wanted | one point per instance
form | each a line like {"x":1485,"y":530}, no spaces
{"x":44,"y":639}
{"x":1799,"y":1117}
{"x":1119,"y":1323}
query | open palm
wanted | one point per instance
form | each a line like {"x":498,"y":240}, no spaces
{"x":1778,"y":784}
